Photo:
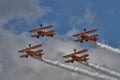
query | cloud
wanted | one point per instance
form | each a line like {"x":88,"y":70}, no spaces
{"x":14,"y":67}
{"x":28,"y":9}
{"x":86,"y":19}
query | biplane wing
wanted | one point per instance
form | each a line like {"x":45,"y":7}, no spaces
{"x":79,"y":52}
{"x":84,"y":56}
{"x":22,"y":51}
{"x":90,"y":31}
{"x":41,"y":28}
{"x":24,"y":56}
{"x":78,"y":40}
{"x":78,"y":59}
{"x":77,"y":35}
{"x":52,"y":31}
{"x":33,"y":47}
{"x":69,"y":61}
{"x":36,"y":46}
{"x":34,"y":30}
{"x":47,"y":27}
{"x":39,"y":51}
{"x":35,"y":36}
{"x":86,"y":32}
{"x":96,"y":35}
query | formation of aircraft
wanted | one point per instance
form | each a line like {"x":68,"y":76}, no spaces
{"x":74,"y":56}
{"x":29,"y":51}
{"x":41,"y":31}
{"x":85,"y":37}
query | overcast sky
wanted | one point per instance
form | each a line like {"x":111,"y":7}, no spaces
{"x":17,"y":17}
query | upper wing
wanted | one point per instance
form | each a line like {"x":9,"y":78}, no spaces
{"x":90,"y":31}
{"x":21,"y":51}
{"x":36,"y":46}
{"x":34,"y":30}
{"x":33,"y":47}
{"x":47,"y":27}
{"x":76,"y":35}
{"x":86,"y":32}
{"x":82,"y":51}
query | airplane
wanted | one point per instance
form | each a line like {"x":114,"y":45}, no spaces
{"x":30,"y":52}
{"x":82,"y":58}
{"x":40,"y":31}
{"x":85,"y":37}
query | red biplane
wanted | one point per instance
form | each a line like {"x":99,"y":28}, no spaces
{"x":82,"y":58}
{"x":41,"y":31}
{"x":30,"y":52}
{"x":85,"y":37}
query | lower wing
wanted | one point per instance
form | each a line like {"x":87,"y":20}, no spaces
{"x":69,"y":61}
{"x":24,"y":56}
{"x":78,"y":40}
{"x":36,"y":35}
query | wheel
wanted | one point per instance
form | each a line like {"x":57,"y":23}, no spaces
{"x":42,"y":35}
{"x":37,"y":36}
{"x":81,"y":41}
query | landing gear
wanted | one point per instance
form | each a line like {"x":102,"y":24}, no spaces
{"x":26,"y":56}
{"x":81,"y":41}
{"x":37,"y":36}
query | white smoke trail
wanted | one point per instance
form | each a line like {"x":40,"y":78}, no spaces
{"x":103,"y":69}
{"x":106,"y":47}
{"x":75,"y":69}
